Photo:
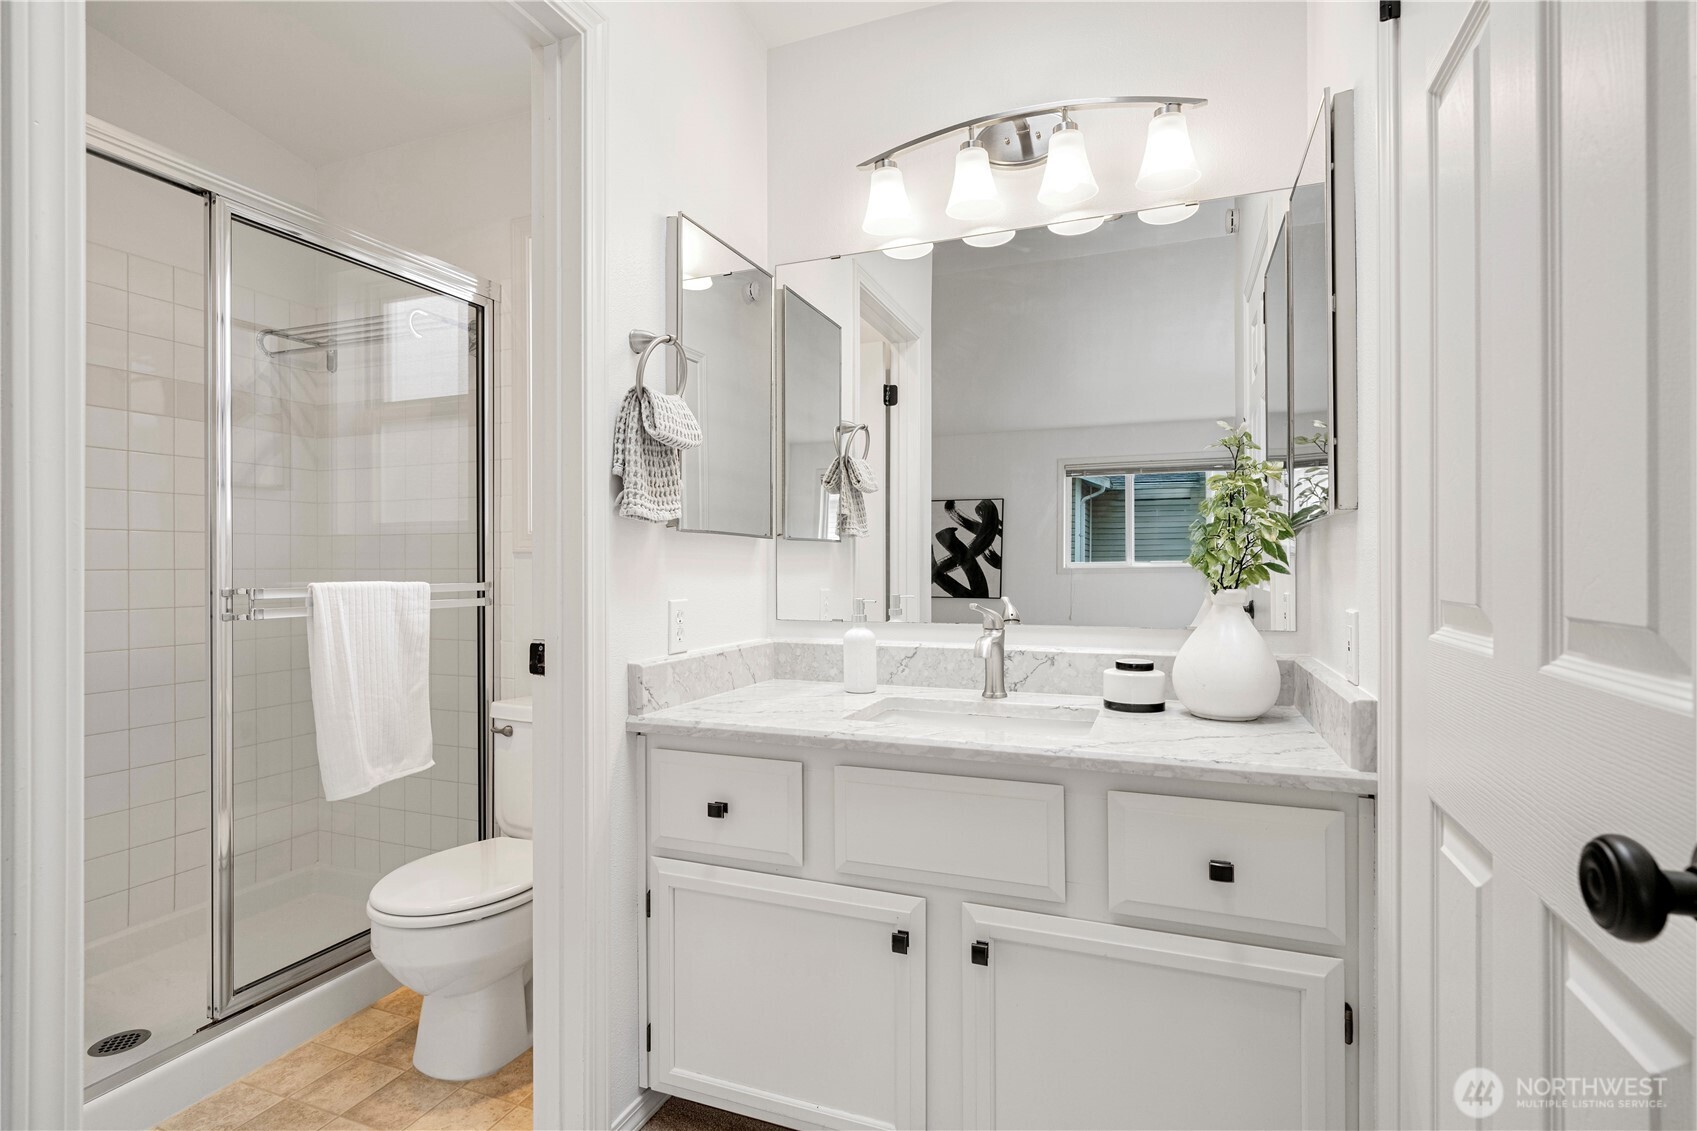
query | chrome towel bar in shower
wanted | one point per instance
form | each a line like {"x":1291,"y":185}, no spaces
{"x":257,"y":594}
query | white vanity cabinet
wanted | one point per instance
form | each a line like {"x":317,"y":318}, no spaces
{"x":1073,"y":1024}
{"x":787,"y":997}
{"x":861,"y":940}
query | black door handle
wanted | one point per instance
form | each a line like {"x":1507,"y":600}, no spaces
{"x":1628,"y":893}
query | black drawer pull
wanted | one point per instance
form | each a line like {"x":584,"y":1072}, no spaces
{"x":1222,"y":871}
{"x":718,"y":808}
{"x":899,"y":941}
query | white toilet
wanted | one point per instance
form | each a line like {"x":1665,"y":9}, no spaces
{"x":455,"y":926}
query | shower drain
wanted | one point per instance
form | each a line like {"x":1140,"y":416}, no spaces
{"x":119,"y":1042}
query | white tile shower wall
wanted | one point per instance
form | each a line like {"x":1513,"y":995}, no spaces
{"x":146,"y":841}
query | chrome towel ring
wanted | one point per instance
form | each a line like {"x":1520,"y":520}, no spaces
{"x":845,"y":439}
{"x":643,"y":343}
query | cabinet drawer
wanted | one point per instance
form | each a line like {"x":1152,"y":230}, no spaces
{"x":725,"y":805}
{"x":1271,"y":869}
{"x":980,"y":834}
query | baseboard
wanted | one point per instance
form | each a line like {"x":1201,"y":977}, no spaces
{"x":640,"y":1111}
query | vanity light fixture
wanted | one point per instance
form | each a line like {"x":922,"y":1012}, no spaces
{"x":1169,"y":213}
{"x":908,"y":251}
{"x":1067,"y":181}
{"x":1169,"y":162}
{"x":1032,"y":136}
{"x":973,"y":195}
{"x":887,"y":211}
{"x":1079,"y":226}
{"x":699,"y":283}
{"x":988,"y":239}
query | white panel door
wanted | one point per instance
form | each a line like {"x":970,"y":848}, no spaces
{"x":1544,"y":525}
{"x":788,"y":997}
{"x":1069,"y":1024}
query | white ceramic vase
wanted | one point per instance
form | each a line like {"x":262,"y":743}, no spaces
{"x":1225,"y":670}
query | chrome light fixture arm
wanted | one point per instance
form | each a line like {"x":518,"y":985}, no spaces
{"x":976,"y":127}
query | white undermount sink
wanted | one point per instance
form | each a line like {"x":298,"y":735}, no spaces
{"x":988,"y":717}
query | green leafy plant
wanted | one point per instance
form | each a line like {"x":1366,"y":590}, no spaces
{"x":1313,"y":484}
{"x":1241,"y":526}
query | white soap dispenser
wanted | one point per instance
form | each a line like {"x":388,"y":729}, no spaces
{"x":860,"y":653}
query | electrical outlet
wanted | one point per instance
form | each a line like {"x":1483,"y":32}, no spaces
{"x":675,"y":627}
{"x":1352,"y":645}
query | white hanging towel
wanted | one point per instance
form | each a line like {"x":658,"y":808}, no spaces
{"x":649,"y":439}
{"x":368,"y":648}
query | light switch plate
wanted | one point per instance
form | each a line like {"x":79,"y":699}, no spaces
{"x":1352,"y":645}
{"x":675,"y":636}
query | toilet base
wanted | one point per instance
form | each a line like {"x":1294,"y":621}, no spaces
{"x":464,"y":1036}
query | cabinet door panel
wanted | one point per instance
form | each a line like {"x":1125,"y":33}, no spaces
{"x":787,"y":996}
{"x":1087,"y":1025}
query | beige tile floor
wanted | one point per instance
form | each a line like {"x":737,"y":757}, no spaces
{"x":359,"y":1074}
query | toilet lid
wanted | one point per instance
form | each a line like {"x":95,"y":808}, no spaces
{"x":456,"y":879}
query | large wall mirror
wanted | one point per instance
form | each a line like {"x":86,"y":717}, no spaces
{"x":1043,"y":405}
{"x":721,"y":313}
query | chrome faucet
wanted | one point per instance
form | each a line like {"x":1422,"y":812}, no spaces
{"x":989,"y":647}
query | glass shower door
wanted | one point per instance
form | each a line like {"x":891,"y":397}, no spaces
{"x":349,"y":443}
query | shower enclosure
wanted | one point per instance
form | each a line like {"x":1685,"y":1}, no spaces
{"x":272,"y":402}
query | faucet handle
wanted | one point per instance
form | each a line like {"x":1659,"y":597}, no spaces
{"x":993,"y":620}
{"x":1010,"y":615}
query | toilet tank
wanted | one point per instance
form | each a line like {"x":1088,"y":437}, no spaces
{"x":512,"y":766}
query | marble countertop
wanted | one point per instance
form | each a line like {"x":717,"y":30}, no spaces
{"x":1280,"y":749}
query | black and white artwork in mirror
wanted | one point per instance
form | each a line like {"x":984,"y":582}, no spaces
{"x":966,"y":558}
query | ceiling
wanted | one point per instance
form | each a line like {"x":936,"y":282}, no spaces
{"x":786,"y":21}
{"x":409,"y":69}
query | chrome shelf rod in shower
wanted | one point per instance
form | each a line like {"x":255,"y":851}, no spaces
{"x":357,"y":331}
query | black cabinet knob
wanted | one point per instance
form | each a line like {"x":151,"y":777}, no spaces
{"x":1222,"y":871}
{"x":718,"y":808}
{"x":1628,"y":893}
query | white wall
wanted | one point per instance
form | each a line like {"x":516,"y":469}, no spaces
{"x":686,"y":132}
{"x":1340,"y":555}
{"x":129,"y":92}
{"x":1118,"y":338}
{"x":838,"y":99}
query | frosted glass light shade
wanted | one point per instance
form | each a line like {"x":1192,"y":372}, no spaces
{"x":887,"y":211}
{"x":1067,"y":179}
{"x":1169,"y":163}
{"x":973,"y":196}
{"x":988,"y":239}
{"x":909,"y":251}
{"x":1077,"y":227}
{"x":1168,"y":213}
{"x":700,"y":283}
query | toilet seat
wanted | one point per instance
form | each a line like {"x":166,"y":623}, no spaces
{"x":457,"y":885}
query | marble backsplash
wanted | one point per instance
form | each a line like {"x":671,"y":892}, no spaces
{"x":1055,"y":671}
{"x":1343,"y":714}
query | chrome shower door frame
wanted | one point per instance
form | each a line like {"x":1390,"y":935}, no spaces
{"x":228,"y":203}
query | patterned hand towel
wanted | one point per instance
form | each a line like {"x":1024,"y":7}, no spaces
{"x":649,"y":439}
{"x":851,"y":479}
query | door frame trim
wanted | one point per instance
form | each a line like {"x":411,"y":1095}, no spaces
{"x":1382,"y":1073}
{"x":42,"y":53}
